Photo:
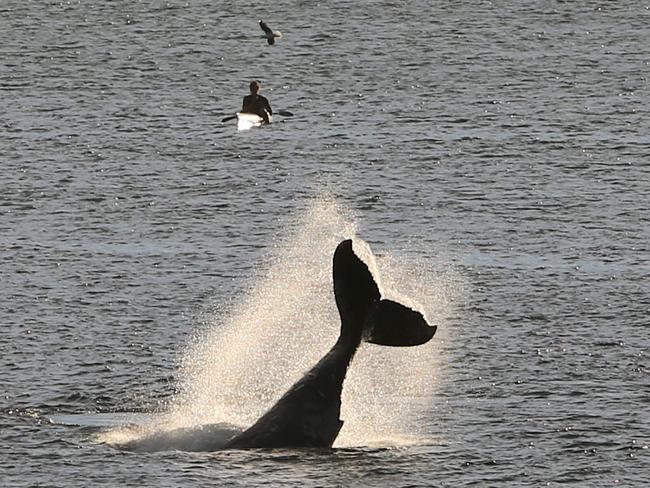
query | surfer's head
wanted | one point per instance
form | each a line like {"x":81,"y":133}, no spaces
{"x":254,"y":87}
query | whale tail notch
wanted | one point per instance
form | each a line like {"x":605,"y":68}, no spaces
{"x":364,"y":314}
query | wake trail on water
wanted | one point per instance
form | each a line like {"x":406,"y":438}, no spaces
{"x":252,"y":353}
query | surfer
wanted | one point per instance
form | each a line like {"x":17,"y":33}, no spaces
{"x":257,"y":104}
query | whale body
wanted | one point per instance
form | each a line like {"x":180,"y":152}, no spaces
{"x":308,"y":414}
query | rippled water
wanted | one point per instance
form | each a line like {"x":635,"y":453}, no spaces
{"x":493,"y":154}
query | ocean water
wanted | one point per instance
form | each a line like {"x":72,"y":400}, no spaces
{"x":161,"y":269}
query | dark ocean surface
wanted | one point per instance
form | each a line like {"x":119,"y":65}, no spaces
{"x":161,"y":269}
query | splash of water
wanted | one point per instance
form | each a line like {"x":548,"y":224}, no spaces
{"x":236,"y":370}
{"x":287,"y":321}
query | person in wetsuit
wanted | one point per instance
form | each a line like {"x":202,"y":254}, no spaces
{"x":257,"y":104}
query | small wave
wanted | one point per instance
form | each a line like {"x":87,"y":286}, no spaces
{"x":201,"y":438}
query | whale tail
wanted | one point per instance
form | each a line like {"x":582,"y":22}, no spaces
{"x":308,"y":414}
{"x":364,"y":314}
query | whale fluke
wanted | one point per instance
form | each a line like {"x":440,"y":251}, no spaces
{"x":363,"y":311}
{"x":393,"y":324}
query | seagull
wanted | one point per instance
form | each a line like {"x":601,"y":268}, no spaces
{"x":268,"y":33}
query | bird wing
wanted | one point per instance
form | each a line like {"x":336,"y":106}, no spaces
{"x":266,"y":28}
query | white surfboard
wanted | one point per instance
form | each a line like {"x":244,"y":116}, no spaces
{"x":247,"y":121}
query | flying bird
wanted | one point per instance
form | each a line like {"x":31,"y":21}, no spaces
{"x":269,"y":34}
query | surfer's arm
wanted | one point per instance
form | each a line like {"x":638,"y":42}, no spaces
{"x":267,"y":106}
